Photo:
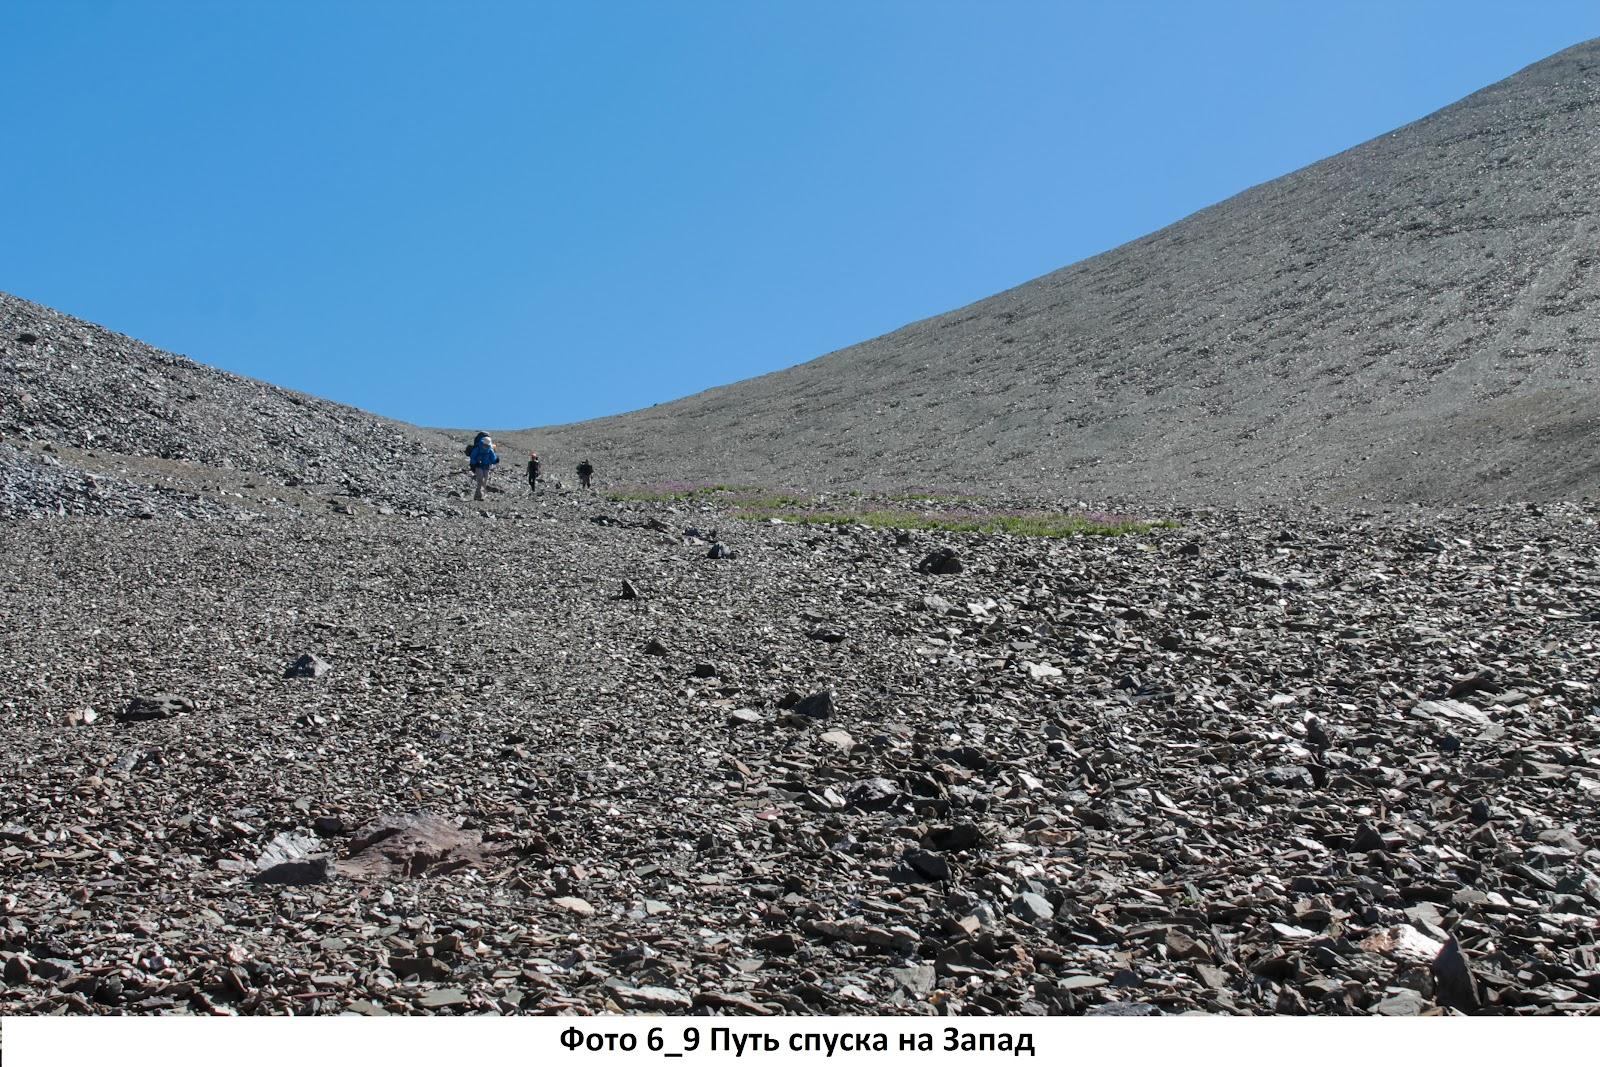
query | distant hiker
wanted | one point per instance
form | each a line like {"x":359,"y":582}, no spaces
{"x":533,"y":473}
{"x":585,"y":472}
{"x":481,"y":458}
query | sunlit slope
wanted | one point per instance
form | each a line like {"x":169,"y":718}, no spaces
{"x":1414,"y":318}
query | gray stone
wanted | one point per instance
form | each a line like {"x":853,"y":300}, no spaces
{"x":956,"y":838}
{"x":837,"y":739}
{"x":1401,"y":1002}
{"x":941,"y":561}
{"x":928,"y":865}
{"x":309,"y":665}
{"x":1454,"y":984}
{"x":818,"y":705}
{"x":654,"y":998}
{"x":1124,"y":1010}
{"x":308,"y":871}
{"x":156,"y":706}
{"x":1033,"y":908}
{"x":1287,"y":777}
{"x":917,"y":979}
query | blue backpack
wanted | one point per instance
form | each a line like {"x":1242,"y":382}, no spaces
{"x":480,"y":454}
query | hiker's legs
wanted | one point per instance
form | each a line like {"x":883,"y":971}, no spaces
{"x":480,"y":478}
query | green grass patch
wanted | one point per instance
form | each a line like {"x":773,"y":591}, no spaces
{"x":906,"y":510}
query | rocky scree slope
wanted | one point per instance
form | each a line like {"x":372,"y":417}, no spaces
{"x":90,"y":419}
{"x":1413,"y":319}
{"x":1270,"y":762}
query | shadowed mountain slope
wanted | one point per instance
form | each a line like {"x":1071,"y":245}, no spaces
{"x":1413,"y":319}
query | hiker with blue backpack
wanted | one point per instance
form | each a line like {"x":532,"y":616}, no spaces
{"x":481,"y":458}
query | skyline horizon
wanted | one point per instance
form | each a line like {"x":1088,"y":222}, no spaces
{"x":400,"y":388}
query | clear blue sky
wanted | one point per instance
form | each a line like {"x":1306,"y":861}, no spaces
{"x":513,"y":214}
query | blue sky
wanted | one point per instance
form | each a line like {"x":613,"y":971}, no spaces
{"x":516,"y":214}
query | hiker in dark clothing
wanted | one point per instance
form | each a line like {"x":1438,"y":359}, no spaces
{"x":585,"y":472}
{"x":533,"y":473}
{"x":481,"y":458}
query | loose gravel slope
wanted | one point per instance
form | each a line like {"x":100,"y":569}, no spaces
{"x":1267,"y":762}
{"x":1413,"y":319}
